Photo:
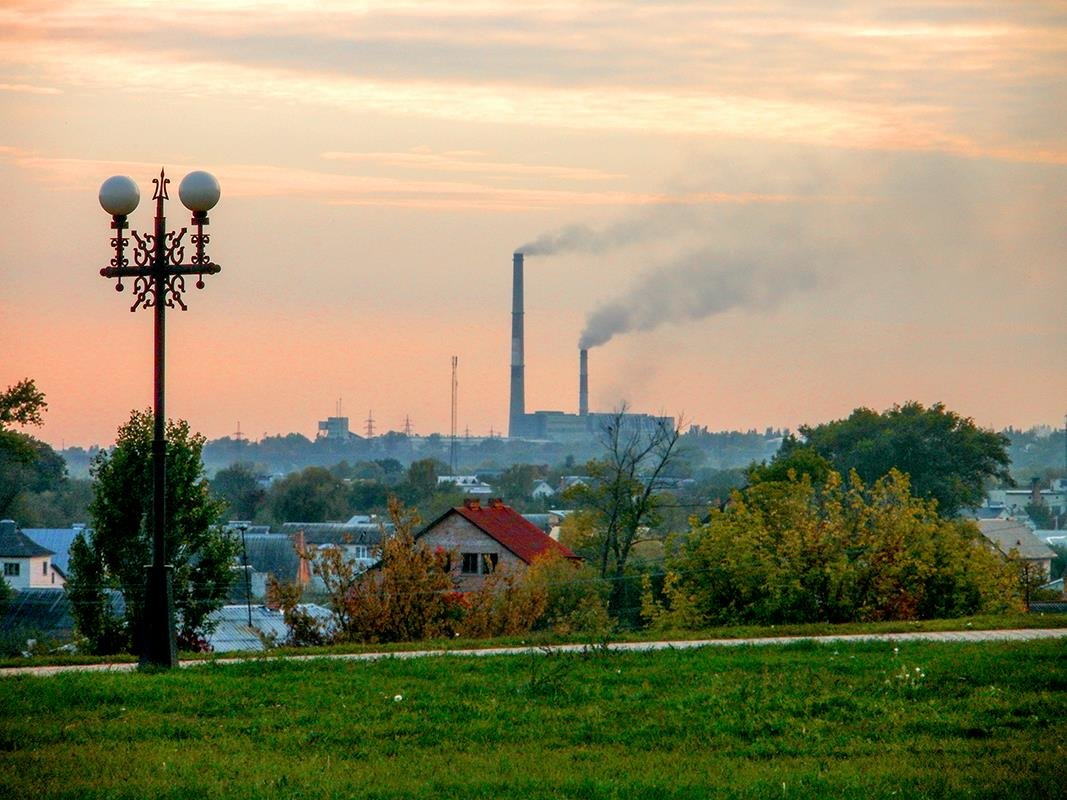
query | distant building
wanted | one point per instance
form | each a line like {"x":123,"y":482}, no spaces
{"x":26,"y":565}
{"x":334,"y":429}
{"x":560,"y":426}
{"x":487,"y":537}
{"x":232,"y":633}
{"x":470,"y":485}
{"x":1013,"y":502}
{"x":58,"y":540}
{"x":1014,"y":538}
{"x":541,"y":490}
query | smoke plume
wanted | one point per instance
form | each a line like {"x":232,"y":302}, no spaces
{"x":583,"y":239}
{"x":695,"y":287}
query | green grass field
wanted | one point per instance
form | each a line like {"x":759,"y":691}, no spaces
{"x":808,"y":720}
{"x":978,"y":623}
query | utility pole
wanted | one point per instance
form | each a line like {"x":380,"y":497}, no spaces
{"x":455,"y":396}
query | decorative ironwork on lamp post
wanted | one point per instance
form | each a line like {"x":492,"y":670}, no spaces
{"x":159,"y":273}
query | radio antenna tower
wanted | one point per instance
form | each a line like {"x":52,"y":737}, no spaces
{"x":370,"y":425}
{"x":407,"y":425}
{"x":455,"y":396}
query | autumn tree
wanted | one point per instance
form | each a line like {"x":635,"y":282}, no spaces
{"x":112,"y":557}
{"x":403,"y":597}
{"x":787,"y":551}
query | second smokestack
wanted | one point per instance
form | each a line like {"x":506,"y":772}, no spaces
{"x":583,"y":382}
{"x":517,"y":408}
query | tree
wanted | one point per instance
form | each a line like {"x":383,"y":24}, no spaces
{"x":517,"y":481}
{"x":787,"y":552}
{"x":114,"y":555}
{"x":311,"y":495}
{"x":22,"y":404}
{"x":626,"y":490}
{"x":947,"y":457}
{"x":796,"y":459}
{"x":422,"y":478}
{"x":238,"y":486}
{"x":26,"y":464}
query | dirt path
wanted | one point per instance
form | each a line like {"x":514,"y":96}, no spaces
{"x":1018,"y":635}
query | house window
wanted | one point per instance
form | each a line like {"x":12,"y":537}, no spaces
{"x":479,"y":563}
{"x":11,"y":569}
{"x":44,"y":567}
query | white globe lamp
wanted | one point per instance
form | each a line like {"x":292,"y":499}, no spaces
{"x":119,"y":195}
{"x":199,"y":192}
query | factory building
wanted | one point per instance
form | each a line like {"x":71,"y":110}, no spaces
{"x":556,"y":426}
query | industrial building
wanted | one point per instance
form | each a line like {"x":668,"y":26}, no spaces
{"x":555,"y":426}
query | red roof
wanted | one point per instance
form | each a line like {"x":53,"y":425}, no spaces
{"x":511,"y":529}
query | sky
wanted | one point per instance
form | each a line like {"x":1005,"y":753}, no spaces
{"x":759,"y":213}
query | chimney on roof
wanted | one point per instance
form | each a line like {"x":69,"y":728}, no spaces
{"x":473,"y":504}
{"x":496,"y":502}
{"x":517,"y":411}
{"x":583,"y":382}
{"x":303,"y":569}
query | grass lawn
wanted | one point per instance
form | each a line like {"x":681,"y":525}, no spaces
{"x":808,"y":720}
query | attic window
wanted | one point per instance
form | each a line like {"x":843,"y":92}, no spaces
{"x":479,"y":563}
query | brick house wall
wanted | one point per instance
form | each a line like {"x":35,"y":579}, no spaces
{"x":459,"y":536}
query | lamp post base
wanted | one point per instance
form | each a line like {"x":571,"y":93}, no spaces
{"x":159,"y":647}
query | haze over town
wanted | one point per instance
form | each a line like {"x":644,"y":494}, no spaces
{"x":763,"y":214}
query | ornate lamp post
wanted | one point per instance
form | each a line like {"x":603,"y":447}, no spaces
{"x":158,"y":274}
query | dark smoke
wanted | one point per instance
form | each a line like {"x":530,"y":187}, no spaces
{"x":693,"y":288}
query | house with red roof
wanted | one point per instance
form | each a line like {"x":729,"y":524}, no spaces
{"x":486,"y":536}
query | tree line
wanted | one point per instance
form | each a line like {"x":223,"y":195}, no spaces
{"x":831,"y":529}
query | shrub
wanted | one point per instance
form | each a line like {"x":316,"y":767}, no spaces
{"x":576,"y":597}
{"x":506,"y":604}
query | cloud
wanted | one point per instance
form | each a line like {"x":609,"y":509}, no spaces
{"x":266,"y":180}
{"x":981,"y":81}
{"x":471,"y":162}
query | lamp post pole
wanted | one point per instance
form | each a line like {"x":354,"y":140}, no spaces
{"x":159,"y":282}
{"x":248,"y":575}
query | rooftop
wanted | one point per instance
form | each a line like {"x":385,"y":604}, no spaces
{"x":509,"y":528}
{"x":1010,"y":534}
{"x":15,"y":544}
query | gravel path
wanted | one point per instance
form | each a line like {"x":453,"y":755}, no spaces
{"x":1018,"y":635}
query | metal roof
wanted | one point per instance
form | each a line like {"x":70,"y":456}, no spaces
{"x":1010,"y":534}
{"x":58,"y":540}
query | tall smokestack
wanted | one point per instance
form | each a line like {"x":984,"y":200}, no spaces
{"x":517,"y":412}
{"x":583,"y":382}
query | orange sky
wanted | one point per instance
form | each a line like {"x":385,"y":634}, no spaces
{"x":879,"y":190}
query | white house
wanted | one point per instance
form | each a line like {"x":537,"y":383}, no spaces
{"x":25,"y":564}
{"x":542,"y":490}
{"x":469,"y":484}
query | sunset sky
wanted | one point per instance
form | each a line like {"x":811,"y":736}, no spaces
{"x":798,"y":208}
